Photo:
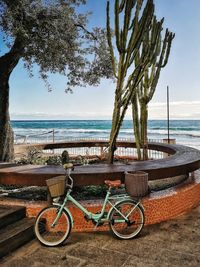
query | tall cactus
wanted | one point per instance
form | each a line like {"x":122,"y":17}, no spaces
{"x":128,"y":39}
{"x":146,"y":88}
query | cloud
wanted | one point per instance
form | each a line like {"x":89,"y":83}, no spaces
{"x":175,"y":103}
{"x":60,"y":116}
{"x":178,"y":110}
{"x":157,"y":110}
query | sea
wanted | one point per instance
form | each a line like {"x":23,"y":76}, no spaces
{"x":186,"y":132}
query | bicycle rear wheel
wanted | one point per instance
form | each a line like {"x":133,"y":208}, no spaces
{"x":132,"y":225}
{"x":48,"y":235}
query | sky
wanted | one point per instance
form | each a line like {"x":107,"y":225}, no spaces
{"x":30,"y":99}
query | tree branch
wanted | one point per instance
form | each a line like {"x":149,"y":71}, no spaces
{"x":85,"y":30}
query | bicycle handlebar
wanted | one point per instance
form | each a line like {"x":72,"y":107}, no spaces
{"x":69,"y":167}
{"x":72,"y":181}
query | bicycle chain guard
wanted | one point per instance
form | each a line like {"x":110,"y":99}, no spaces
{"x":99,"y":223}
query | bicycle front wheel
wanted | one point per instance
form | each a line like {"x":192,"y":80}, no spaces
{"x":126,"y":220}
{"x":52,"y":235}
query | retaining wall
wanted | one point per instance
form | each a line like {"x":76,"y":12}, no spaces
{"x":159,"y":206}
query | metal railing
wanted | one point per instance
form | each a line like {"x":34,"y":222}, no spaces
{"x":48,"y":136}
{"x":96,"y":149}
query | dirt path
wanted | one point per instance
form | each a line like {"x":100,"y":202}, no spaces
{"x":172,"y":243}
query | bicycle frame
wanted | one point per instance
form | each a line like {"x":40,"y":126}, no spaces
{"x":123,"y":214}
{"x":97,"y":218}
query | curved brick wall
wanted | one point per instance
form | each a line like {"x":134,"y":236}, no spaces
{"x":159,"y":206}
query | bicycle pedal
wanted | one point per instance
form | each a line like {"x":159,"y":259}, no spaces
{"x":105,"y":215}
{"x":130,"y":223}
{"x":86,"y":218}
{"x":98,"y":224}
{"x":95,"y":227}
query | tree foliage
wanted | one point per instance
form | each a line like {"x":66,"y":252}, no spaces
{"x":53,"y":35}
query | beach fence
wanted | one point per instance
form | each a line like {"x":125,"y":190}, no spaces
{"x":44,"y":137}
{"x":49,"y":137}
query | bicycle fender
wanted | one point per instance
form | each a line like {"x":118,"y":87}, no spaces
{"x":121,"y":200}
{"x":140,"y":204}
{"x":68,"y":212}
{"x":142,"y":207}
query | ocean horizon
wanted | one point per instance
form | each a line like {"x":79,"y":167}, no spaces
{"x":186,"y":132}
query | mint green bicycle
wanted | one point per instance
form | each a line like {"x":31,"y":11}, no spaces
{"x":124,"y":215}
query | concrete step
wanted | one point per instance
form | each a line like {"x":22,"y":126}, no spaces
{"x":15,"y":235}
{"x":10,"y":214}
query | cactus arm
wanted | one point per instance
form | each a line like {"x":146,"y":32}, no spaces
{"x":121,"y":6}
{"x":144,"y":22}
{"x":135,"y":18}
{"x":117,"y":34}
{"x":136,"y":124}
{"x":109,"y":39}
{"x":163,"y":59}
{"x":127,"y":18}
{"x":170,"y":38}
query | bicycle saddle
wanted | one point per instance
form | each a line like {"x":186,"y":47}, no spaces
{"x":68,"y":166}
{"x":115,"y":183}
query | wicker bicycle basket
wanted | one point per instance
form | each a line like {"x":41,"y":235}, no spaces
{"x":56,"y":186}
{"x":136,"y":183}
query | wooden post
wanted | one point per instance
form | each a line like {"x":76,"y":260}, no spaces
{"x":53,"y":131}
{"x":101,"y":153}
{"x":168,"y":141}
{"x":168,"y":115}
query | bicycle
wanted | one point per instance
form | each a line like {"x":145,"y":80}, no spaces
{"x":125,"y":215}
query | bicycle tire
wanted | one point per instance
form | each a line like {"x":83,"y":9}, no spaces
{"x":126,"y":229}
{"x":52,"y":236}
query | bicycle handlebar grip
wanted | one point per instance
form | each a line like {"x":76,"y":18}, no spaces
{"x":68,"y":166}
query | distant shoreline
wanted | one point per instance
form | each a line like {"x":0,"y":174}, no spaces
{"x":51,"y":120}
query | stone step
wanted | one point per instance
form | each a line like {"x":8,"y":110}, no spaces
{"x":15,"y":235}
{"x":10,"y":214}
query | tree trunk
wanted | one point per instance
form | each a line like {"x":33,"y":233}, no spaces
{"x":7,"y":64}
{"x":6,"y":133}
